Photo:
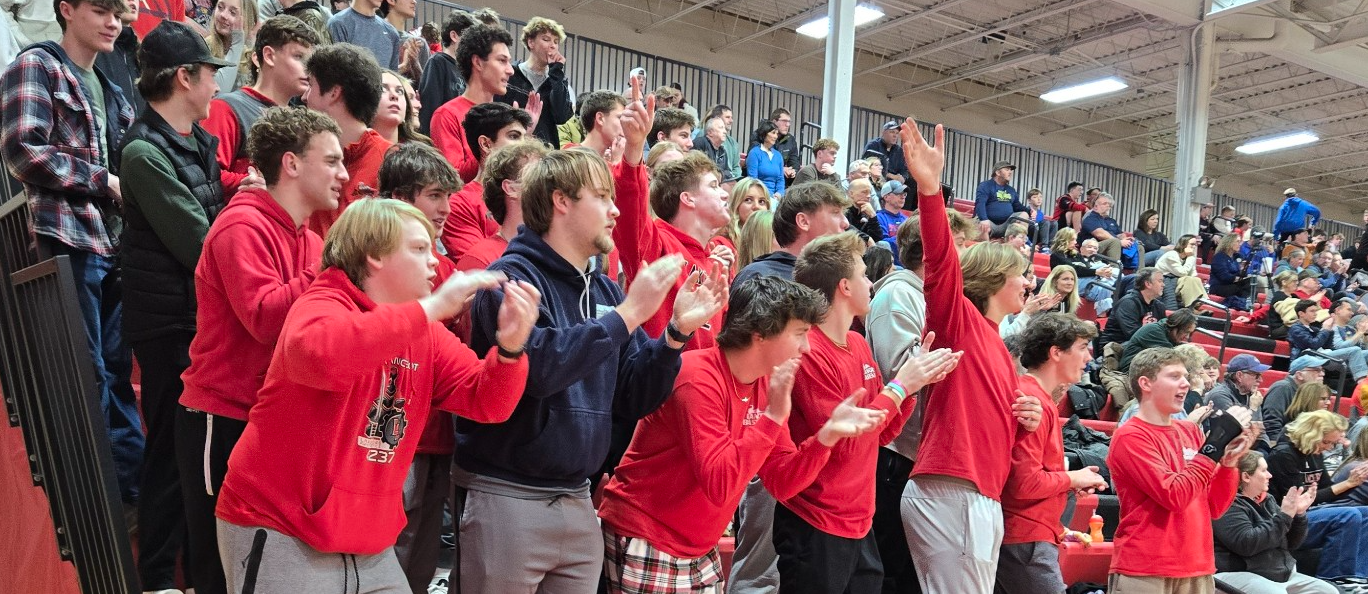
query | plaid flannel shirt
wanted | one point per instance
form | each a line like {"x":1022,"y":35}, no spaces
{"x":49,"y":143}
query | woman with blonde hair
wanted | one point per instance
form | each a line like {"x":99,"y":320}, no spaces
{"x":1063,"y":280}
{"x":748,"y":196}
{"x":1309,"y":397}
{"x":232,"y":34}
{"x":1335,"y":524}
{"x":757,"y":238}
{"x":876,"y":177}
{"x":1227,"y":278}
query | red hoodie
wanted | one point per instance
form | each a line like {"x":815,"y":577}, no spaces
{"x":256,"y":263}
{"x":1169,"y":496}
{"x":362,"y":159}
{"x":640,"y":238}
{"x":439,"y":436}
{"x":1038,"y":487}
{"x":330,"y":440}
{"x":448,"y":135}
{"x":683,"y":475}
{"x":468,"y":222}
{"x":967,"y":420}
{"x":841,"y":501}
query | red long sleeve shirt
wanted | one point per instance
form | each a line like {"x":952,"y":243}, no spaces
{"x":231,"y":154}
{"x":469,"y":221}
{"x":1037,"y":488}
{"x":841,"y":501}
{"x":448,"y":135}
{"x":683,"y":475}
{"x":968,"y":427}
{"x":439,"y":436}
{"x":1169,"y":495}
{"x":640,"y":238}
{"x":331,"y":437}
{"x":255,"y":265}
{"x":362,"y":160}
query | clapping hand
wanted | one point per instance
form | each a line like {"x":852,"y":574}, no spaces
{"x":850,"y":420}
{"x":1298,"y":500}
{"x":517,"y":315}
{"x":451,"y":298}
{"x":534,"y":108}
{"x":781,"y":391}
{"x":928,"y":367}
{"x":701,"y":297}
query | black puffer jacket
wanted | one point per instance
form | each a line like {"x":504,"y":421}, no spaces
{"x":1258,"y":538}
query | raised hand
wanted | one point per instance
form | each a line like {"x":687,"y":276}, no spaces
{"x":850,"y":420}
{"x":925,"y":161}
{"x":701,"y":297}
{"x":1200,"y":414}
{"x":450,"y":298}
{"x":1086,"y":480}
{"x":637,"y":120}
{"x":517,"y":314}
{"x":648,"y":290}
{"x":781,"y":391}
{"x":1027,"y":411}
{"x":534,"y":108}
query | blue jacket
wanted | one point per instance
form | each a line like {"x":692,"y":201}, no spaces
{"x":1292,"y":215}
{"x":1305,"y":338}
{"x":1224,"y":269}
{"x":582,"y":371}
{"x":766,"y":168}
{"x":996,"y":203}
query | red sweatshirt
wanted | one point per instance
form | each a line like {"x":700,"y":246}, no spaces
{"x":255,"y":264}
{"x":483,"y":253}
{"x":231,"y":155}
{"x":1169,"y":496}
{"x":841,"y":501}
{"x":324,"y":455}
{"x":439,"y":437}
{"x":968,"y":427}
{"x":640,"y":238}
{"x":362,"y":159}
{"x":683,"y":475}
{"x":469,"y":221}
{"x":1038,"y":487}
{"x":448,"y":135}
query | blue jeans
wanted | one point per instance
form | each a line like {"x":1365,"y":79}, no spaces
{"x":1341,"y":533}
{"x":100,"y":295}
{"x":1152,"y":258}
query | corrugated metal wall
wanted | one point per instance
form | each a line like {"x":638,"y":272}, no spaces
{"x":600,"y":65}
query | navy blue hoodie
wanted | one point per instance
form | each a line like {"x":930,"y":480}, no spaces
{"x":582,"y":370}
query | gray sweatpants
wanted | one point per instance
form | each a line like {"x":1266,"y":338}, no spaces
{"x":289,"y":566}
{"x":954,"y":533}
{"x":425,"y":493}
{"x":755,"y":565}
{"x":516,"y":539}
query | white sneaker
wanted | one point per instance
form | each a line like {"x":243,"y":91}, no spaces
{"x":172,"y":591}
{"x":438,"y":586}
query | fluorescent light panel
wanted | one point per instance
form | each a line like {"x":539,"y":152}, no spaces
{"x":1111,"y":84}
{"x":820,"y":28}
{"x":1277,"y":143}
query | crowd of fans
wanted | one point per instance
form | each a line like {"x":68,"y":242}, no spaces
{"x":390,"y":289}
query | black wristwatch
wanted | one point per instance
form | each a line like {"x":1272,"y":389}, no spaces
{"x":507,"y":354}
{"x":676,"y":334}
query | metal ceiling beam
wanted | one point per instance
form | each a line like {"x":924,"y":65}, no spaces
{"x":1022,"y":56}
{"x":1047,"y":10}
{"x":683,"y":13}
{"x":1306,"y":161}
{"x":881,"y":27}
{"x":802,"y":16}
{"x":1326,"y":173}
{"x":577,"y":6}
{"x":1354,"y":185}
{"x":1077,"y":70}
{"x":1346,"y":34}
{"x":1308,"y":123}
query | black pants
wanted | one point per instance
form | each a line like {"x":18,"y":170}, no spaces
{"x":203,"y":443}
{"x":161,"y":516}
{"x":900,"y":574}
{"x":814,"y":562}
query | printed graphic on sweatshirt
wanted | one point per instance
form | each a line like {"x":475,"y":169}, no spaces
{"x":1003,"y":196}
{"x":386,"y":421}
{"x":752,"y":417}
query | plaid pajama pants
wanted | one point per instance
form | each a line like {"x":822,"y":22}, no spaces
{"x":634,"y":566}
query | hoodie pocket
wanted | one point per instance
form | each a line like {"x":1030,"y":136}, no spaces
{"x":355,"y":522}
{"x":572,"y":443}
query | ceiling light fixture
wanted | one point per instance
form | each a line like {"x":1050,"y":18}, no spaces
{"x":820,"y":28}
{"x":1111,"y":84}
{"x":1277,"y":143}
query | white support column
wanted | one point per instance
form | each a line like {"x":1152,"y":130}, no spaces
{"x":836,"y":81}
{"x":1195,"y":79}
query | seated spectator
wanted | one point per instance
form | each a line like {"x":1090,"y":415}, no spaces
{"x":1308,"y":369}
{"x":676,"y":126}
{"x":1294,"y":261}
{"x":1180,"y":265}
{"x":1063,"y":281}
{"x":876,"y":177}
{"x":1070,"y":208}
{"x":1194,"y":357}
{"x":1358,"y":455}
{"x":862,"y":215}
{"x":713,"y":143}
{"x":1309,"y":287}
{"x":892,"y":199}
{"x":1065,"y":252}
{"x":1241,"y":385}
{"x":1045,"y":227}
{"x":878,"y":261}
{"x":1254,"y":539}
{"x":1280,"y":302}
{"x":1099,"y":225}
{"x":1300,"y":239}
{"x":757,"y":239}
{"x":1310,"y":397}
{"x":1303,"y":338}
{"x":1335,"y":525}
{"x":1169,"y":332}
{"x":764,"y":162}
{"x":858,"y":169}
{"x":1135,"y":309}
{"x":1227,"y":275}
{"x":747,"y":197}
{"x":1018,"y":236}
{"x":1341,"y":316}
{"x":660,"y":154}
{"x":889,"y":153}
{"x":1147,"y":232}
{"x":995,"y":199}
{"x":823,"y":167}
{"x":1172,"y":482}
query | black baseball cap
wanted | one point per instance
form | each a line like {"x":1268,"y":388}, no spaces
{"x":172,"y":44}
